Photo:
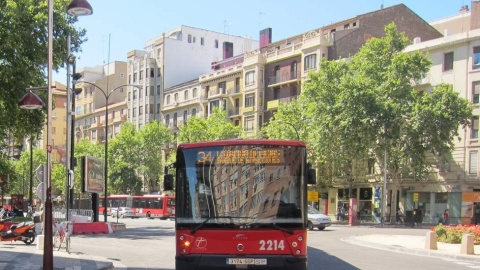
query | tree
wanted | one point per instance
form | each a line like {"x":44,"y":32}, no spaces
{"x":213,"y":128}
{"x":23,"y":35}
{"x":366,"y":107}
{"x":124,"y":160}
{"x":153,"y":137}
{"x":22,"y":170}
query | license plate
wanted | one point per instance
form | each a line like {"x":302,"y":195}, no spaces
{"x":247,"y":261}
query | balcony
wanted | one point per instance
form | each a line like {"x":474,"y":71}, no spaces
{"x":273,"y":105}
{"x":218,"y":93}
{"x":285,"y":77}
{"x":248,"y":109}
{"x":424,"y":80}
{"x":234,"y":92}
{"x":234,"y":112}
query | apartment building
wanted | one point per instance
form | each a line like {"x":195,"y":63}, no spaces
{"x":456,"y":183}
{"x":90,"y":104}
{"x":171,"y":59}
{"x":181,"y":102}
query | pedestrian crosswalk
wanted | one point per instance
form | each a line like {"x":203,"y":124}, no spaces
{"x":467,"y":264}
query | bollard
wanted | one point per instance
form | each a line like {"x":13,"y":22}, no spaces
{"x":431,"y":240}
{"x":40,"y":242}
{"x":467,"y":244}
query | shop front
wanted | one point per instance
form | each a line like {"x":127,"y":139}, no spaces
{"x":429,"y":207}
{"x":471,"y":208}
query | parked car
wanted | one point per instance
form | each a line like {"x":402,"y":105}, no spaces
{"x":124,"y":212}
{"x":317,"y":219}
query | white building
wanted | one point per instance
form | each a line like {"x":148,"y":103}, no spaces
{"x":173,"y":58}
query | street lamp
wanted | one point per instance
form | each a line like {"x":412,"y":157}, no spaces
{"x":107,"y":95}
{"x":32,"y":101}
{"x":290,"y":124}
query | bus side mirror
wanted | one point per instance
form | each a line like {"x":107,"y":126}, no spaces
{"x":311,"y":177}
{"x":168,"y":182}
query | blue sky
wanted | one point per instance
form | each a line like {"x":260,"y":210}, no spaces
{"x":130,"y":23}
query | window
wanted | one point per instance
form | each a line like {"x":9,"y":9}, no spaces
{"x":140,"y":110}
{"x":54,"y":130}
{"x":474,"y":128}
{"x":175,"y":119}
{"x":79,"y":110}
{"x":159,"y":72}
{"x":152,"y":91}
{"x":185,"y":115}
{"x":293,"y":70}
{"x":94,"y":134}
{"x":202,"y":41}
{"x":175,"y":97}
{"x":214,"y":104}
{"x":249,"y":123}
{"x":129,"y":79}
{"x":134,"y":111}
{"x":194,"y":93}
{"x":237,"y":85}
{"x":216,"y":43}
{"x":371,"y":166}
{"x":140,"y":77}
{"x":222,"y":87}
{"x":134,"y":77}
{"x":158,"y":108}
{"x":249,"y":100}
{"x":194,"y":112}
{"x":185,"y":95}
{"x":276,"y":93}
{"x":476,"y":57}
{"x":194,"y":39}
{"x":475,"y":92}
{"x":167,"y":120}
{"x":152,"y":73}
{"x":168,"y":99}
{"x":310,"y":61}
{"x":117,"y":128}
{"x":448,"y":61}
{"x":293,"y":90}
{"x":134,"y":94}
{"x":472,"y":168}
{"x":250,"y":78}
{"x":189,"y":38}
{"x":158,"y":89}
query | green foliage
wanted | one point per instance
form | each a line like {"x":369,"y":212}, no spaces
{"x":213,"y":128}
{"x":361,"y":107}
{"x":23,"y":35}
{"x":22,"y":170}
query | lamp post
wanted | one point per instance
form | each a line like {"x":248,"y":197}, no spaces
{"x":290,"y":124}
{"x":32,"y":101}
{"x":107,"y":95}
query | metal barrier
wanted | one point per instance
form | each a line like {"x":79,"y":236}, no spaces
{"x":60,"y":214}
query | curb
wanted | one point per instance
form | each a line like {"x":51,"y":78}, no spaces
{"x":418,"y":252}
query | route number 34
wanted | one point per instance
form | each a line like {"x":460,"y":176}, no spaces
{"x":272,"y":245}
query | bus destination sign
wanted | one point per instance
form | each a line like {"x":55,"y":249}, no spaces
{"x":228,"y":157}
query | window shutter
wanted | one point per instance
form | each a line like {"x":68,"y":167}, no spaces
{"x":473,"y":162}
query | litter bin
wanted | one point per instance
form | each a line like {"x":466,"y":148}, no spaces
{"x":417,"y":216}
{"x":408,"y":218}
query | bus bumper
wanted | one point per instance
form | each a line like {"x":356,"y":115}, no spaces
{"x":206,"y":262}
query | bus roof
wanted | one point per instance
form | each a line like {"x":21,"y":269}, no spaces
{"x":241,"y":142}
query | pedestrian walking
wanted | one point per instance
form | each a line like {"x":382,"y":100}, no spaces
{"x":445,"y":217}
{"x":339,"y":214}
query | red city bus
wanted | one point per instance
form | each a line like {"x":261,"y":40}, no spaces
{"x":153,"y":206}
{"x":241,"y":204}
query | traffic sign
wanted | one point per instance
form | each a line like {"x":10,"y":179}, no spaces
{"x":40,"y":191}
{"x":41,"y":172}
{"x":312,"y":196}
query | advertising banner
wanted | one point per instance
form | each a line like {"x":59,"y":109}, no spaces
{"x":93,"y":175}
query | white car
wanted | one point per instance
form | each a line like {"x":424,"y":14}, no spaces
{"x":317,"y":219}
{"x":124,"y":212}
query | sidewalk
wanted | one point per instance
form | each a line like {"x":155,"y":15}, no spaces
{"x":414,"y":245}
{"x":17,"y":255}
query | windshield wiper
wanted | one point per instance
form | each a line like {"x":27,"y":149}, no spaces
{"x":282,"y":228}
{"x":209,"y":218}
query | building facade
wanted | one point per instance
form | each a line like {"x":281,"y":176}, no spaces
{"x":173,"y":58}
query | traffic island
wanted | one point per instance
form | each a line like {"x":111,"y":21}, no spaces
{"x":119,"y":226}
{"x":93,"y":227}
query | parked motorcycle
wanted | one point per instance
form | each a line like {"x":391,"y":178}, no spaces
{"x":23,"y":231}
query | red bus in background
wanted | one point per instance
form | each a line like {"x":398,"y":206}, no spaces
{"x":153,"y":206}
{"x":241,"y":204}
{"x":150,"y":206}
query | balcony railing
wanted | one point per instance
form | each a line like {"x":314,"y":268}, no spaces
{"x":218,"y":92}
{"x":273,"y":104}
{"x":284,"y":77}
{"x":234,"y":112}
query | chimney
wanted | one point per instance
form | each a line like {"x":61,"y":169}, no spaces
{"x":464,"y":9}
{"x":227,"y":50}
{"x":265,"y":37}
{"x":475,"y":15}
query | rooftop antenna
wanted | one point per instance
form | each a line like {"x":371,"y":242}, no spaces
{"x":260,"y":20}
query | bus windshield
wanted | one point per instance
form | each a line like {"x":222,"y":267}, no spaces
{"x":240,"y":185}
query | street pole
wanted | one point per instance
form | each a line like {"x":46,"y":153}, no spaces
{"x":72,"y":134}
{"x":106,"y":159}
{"x":31,"y":171}
{"x":48,"y":241}
{"x":69,"y":131}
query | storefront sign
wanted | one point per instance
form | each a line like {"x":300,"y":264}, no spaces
{"x":312,"y":196}
{"x":471,"y":197}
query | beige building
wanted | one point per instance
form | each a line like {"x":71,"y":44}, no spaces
{"x":90,"y":103}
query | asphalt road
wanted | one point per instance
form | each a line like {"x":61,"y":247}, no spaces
{"x":150,"y":244}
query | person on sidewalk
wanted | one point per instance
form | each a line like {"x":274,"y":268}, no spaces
{"x":445,"y":217}
{"x":400,"y":216}
{"x":339,"y":214}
